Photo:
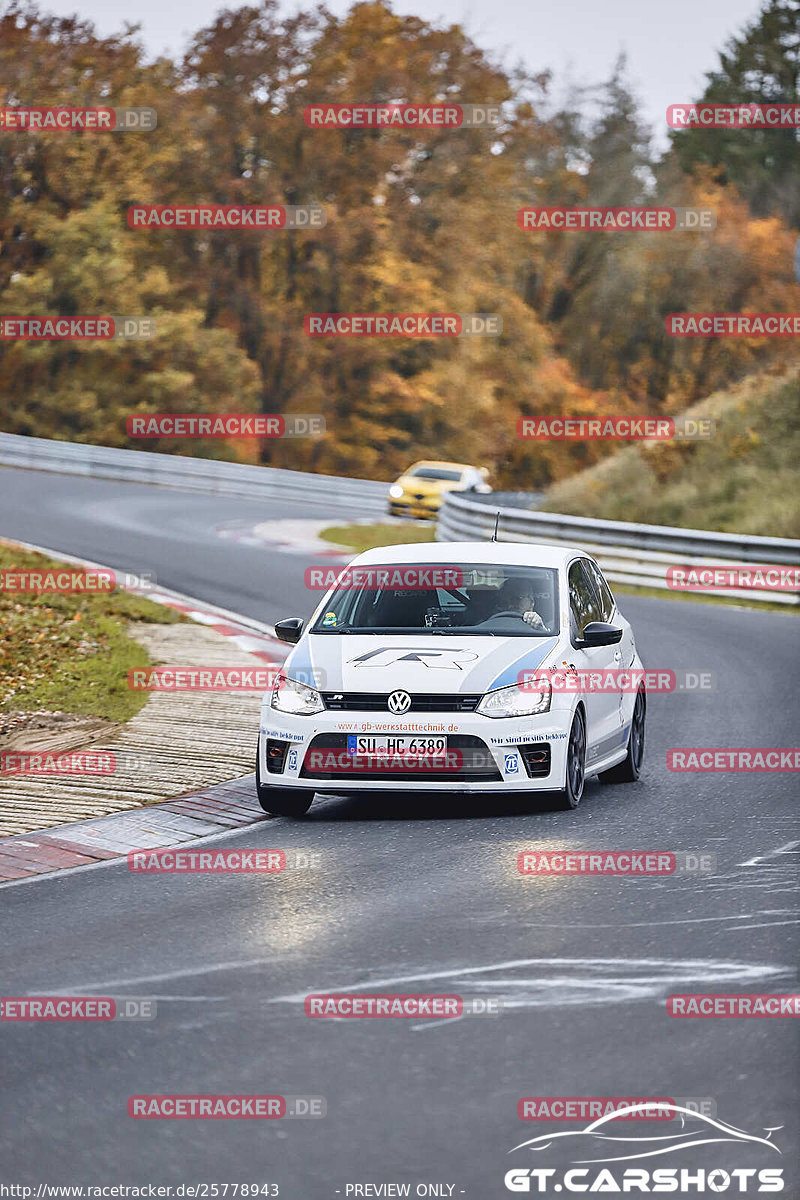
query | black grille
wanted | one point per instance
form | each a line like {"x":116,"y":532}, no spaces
{"x":427,"y":702}
{"x":327,"y":758}
{"x":536,"y":756}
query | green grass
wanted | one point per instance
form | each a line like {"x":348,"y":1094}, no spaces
{"x":742,"y":480}
{"x":368,"y":537}
{"x":70,"y":653}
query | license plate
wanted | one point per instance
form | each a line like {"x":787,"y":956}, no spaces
{"x":365,"y":746}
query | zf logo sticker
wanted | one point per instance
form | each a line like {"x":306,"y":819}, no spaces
{"x":292,"y":760}
{"x":512,"y":764}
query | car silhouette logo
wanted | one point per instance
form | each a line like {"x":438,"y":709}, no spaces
{"x":399,"y":702}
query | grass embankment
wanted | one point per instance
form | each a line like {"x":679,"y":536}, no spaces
{"x":70,"y":653}
{"x":742,"y":480}
{"x":359,"y":538}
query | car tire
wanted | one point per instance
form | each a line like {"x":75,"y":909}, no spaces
{"x":629,"y":770}
{"x":282,"y":802}
{"x":575,"y":776}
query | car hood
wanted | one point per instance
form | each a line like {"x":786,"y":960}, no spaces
{"x":445,"y":664}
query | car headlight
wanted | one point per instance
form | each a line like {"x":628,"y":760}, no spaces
{"x":517,"y":702}
{"x":289,"y":696}
{"x":395,"y":491}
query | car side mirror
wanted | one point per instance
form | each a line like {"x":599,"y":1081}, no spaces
{"x":600,"y":633}
{"x":290,"y":629}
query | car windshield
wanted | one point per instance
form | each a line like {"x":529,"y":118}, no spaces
{"x":482,"y":599}
{"x":434,"y":473}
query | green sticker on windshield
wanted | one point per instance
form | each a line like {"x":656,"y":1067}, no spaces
{"x":329,"y":618}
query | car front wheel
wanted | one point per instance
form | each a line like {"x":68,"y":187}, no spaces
{"x":629,"y":770}
{"x":576,"y":764}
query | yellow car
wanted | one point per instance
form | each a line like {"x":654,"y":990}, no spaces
{"x":418,"y":492}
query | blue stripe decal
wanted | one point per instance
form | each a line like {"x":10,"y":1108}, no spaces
{"x":528,"y":661}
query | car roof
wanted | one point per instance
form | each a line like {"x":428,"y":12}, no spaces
{"x":432,"y":462}
{"x":530,"y":554}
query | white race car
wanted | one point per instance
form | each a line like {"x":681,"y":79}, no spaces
{"x":456,"y":667}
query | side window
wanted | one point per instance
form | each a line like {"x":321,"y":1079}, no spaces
{"x":583,"y":602}
{"x":602,"y":589}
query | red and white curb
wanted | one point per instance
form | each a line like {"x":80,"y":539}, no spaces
{"x":199,"y":814}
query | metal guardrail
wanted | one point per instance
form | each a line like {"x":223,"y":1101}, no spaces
{"x":197,"y":474}
{"x":628,"y":552}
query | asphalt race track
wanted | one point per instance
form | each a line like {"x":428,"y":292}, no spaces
{"x":410,"y":895}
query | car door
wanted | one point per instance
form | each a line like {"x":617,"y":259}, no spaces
{"x":602,"y":705}
{"x":626,"y":650}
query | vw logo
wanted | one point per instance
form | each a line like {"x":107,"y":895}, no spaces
{"x":399,"y":702}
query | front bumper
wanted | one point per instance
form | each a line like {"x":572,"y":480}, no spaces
{"x":484,"y":754}
{"x":408,"y":506}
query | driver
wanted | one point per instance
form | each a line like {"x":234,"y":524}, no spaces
{"x":517,"y":595}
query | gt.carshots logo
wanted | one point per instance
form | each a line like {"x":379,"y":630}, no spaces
{"x":598,"y":1151}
